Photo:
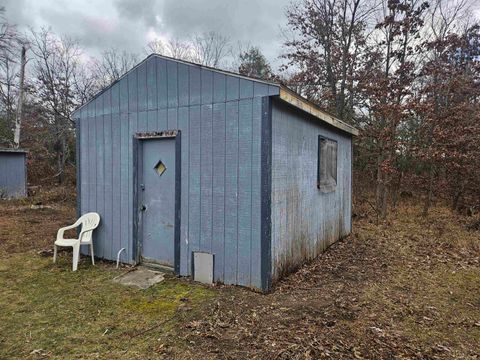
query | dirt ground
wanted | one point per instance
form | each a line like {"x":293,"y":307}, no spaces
{"x":406,"y":288}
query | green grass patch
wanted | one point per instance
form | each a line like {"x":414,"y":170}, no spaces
{"x":46,"y":309}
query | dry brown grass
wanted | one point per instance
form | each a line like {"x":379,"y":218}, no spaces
{"x":405,"y":288}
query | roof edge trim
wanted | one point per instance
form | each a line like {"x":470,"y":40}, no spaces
{"x":13,"y":150}
{"x":299,"y":102}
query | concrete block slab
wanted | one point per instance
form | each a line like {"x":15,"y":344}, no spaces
{"x":141,"y":277}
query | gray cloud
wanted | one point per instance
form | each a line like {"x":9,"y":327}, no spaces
{"x":95,"y":33}
{"x":124,"y":24}
{"x":256,"y":22}
{"x":16,"y":11}
{"x":144,"y":11}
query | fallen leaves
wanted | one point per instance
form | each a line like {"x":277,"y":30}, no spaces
{"x":363,"y":298}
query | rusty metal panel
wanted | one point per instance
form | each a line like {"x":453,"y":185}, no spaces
{"x":305,"y":220}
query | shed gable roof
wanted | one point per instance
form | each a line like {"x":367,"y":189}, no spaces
{"x":266,"y":89}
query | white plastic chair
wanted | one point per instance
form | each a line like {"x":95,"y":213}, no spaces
{"x":89,"y":222}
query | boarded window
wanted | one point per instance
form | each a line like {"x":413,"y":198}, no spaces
{"x":327,"y":164}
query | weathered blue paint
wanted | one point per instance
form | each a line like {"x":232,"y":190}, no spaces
{"x":266,"y":195}
{"x":13,"y":176}
{"x":78,"y":141}
{"x":178,"y":199}
{"x":256,"y":191}
{"x":156,"y":199}
{"x":304,"y":220}
{"x":219,"y":117}
{"x":244,"y":165}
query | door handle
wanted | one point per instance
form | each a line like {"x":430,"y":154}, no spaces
{"x":143,"y":208}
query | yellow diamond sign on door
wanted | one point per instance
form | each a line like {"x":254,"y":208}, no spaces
{"x":160,"y":168}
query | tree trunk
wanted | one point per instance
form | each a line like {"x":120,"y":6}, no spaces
{"x":457,"y":197}
{"x":18,"y":118}
{"x":384,"y":208}
{"x":381,"y":192}
{"x":396,"y":191}
{"x":61,"y":158}
{"x":429,"y":197}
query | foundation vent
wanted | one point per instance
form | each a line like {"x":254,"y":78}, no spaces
{"x":203,"y":267}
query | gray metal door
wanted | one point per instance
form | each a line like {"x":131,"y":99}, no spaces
{"x":157,"y":201}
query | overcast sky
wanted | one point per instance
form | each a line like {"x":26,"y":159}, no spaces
{"x":130,"y":24}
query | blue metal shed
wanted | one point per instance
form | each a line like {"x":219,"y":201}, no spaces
{"x":179,"y":158}
{"x":13,"y":173}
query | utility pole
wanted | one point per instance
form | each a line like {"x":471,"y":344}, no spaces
{"x":18,"y":118}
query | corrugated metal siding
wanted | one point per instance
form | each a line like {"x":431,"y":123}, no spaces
{"x":220,"y":119}
{"x":12,"y":175}
{"x":304,"y":220}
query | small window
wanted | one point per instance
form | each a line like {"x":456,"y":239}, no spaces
{"x":327,"y":164}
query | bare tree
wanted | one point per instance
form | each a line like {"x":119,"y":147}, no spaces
{"x":156,"y":46}
{"x":8,"y":35}
{"x":21,"y":90}
{"x":8,"y":95}
{"x":111,"y":66}
{"x":324,"y":48}
{"x":175,"y":48}
{"x":9,"y":72}
{"x":446,"y":17}
{"x":388,"y":87}
{"x":179,"y":49}
{"x":57,"y":63}
{"x":85,"y":84}
{"x":210,"y":49}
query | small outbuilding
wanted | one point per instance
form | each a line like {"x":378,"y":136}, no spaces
{"x":13,"y":173}
{"x":202,"y":170}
